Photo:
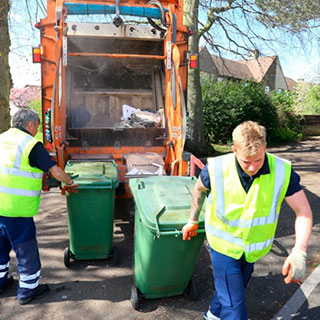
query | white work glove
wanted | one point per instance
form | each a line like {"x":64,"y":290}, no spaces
{"x":294,"y":267}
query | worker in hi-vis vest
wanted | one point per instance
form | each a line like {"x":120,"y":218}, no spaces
{"x":22,"y":163}
{"x":244,"y":191}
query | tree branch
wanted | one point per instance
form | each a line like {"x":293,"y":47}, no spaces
{"x":212,"y":15}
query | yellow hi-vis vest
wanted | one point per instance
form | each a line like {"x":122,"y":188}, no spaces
{"x":20,"y":184}
{"x":240,"y":223}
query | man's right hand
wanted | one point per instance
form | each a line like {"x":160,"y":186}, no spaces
{"x":189,"y":230}
{"x":72,"y":188}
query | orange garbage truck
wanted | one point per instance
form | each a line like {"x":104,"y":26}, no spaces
{"x":114,"y":79}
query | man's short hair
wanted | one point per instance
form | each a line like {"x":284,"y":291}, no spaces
{"x":249,"y":136}
{"x":23,"y":116}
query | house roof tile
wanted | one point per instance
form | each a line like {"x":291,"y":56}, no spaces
{"x":254,"y":69}
{"x":259,"y":67}
{"x":290,"y":83}
{"x":231,"y":69}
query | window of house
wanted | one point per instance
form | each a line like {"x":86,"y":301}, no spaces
{"x":267,"y":90}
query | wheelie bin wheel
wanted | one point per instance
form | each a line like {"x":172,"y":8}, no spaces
{"x":67,"y":256}
{"x":192,"y":291}
{"x":115,"y":257}
{"x":134,"y":297}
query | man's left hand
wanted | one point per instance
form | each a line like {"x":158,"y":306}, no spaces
{"x":294,"y":267}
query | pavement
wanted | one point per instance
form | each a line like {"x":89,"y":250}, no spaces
{"x":311,"y":308}
{"x":305,"y":302}
{"x":100,"y":290}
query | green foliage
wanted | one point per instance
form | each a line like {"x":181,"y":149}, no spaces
{"x":313,"y":100}
{"x":36,"y":106}
{"x":301,"y":91}
{"x":306,"y":98}
{"x":294,"y":15}
{"x":226,"y":104}
{"x":289,"y":128}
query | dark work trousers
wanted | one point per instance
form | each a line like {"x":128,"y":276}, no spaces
{"x":19,"y":234}
{"x":230,"y":278}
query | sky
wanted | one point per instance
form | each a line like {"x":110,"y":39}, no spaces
{"x":299,"y":63}
{"x":23,"y":37}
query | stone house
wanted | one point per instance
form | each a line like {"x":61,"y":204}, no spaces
{"x":258,"y":69}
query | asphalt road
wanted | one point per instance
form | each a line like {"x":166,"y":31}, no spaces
{"x":100,"y":290}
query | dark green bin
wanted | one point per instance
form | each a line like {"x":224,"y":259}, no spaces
{"x":91,"y":210}
{"x":163,"y":263}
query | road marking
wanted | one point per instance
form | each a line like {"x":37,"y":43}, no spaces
{"x":293,"y":305}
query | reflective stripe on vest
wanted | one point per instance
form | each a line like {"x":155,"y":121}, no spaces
{"x":21,"y":173}
{"x":238,"y":241}
{"x":21,"y":146}
{"x":20,"y":184}
{"x":238,"y":222}
{"x":220,"y":210}
{"x":20,"y":192}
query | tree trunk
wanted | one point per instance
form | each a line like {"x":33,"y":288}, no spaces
{"x":5,"y":82}
{"x":196,"y":142}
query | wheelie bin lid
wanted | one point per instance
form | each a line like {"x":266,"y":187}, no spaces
{"x":163,"y":202}
{"x":93,"y":174}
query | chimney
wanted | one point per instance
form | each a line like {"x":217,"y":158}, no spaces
{"x":254,"y":54}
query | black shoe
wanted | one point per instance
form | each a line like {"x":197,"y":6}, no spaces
{"x":8,"y":283}
{"x":41,"y":291}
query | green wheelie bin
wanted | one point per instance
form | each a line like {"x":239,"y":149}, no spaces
{"x":91,"y":210}
{"x":163,"y":263}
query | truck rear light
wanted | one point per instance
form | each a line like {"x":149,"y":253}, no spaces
{"x":193,"y":61}
{"x":36,"y":54}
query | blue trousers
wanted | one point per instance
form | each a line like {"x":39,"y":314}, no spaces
{"x":231,"y":276}
{"x":19,"y":234}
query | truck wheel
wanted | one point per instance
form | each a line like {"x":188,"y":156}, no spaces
{"x":67,"y":257}
{"x":134,"y":297}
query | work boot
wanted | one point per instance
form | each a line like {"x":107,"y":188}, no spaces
{"x":40,"y":291}
{"x":7,"y":284}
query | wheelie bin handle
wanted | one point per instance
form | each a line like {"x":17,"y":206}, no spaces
{"x":175,"y":233}
{"x":159,"y":214}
